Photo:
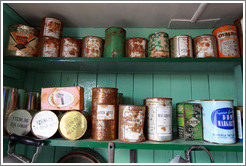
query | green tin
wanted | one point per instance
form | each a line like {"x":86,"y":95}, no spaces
{"x":158,"y":45}
{"x":189,"y":121}
{"x":114,"y":42}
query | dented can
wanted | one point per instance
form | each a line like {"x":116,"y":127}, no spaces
{"x":239,"y":23}
{"x":23,"y":41}
{"x":51,"y":27}
{"x":227,"y":41}
{"x":136,"y":48}
{"x":92,"y":46}
{"x":104,"y":114}
{"x":33,"y":101}
{"x":70,"y":47}
{"x":48,"y":47}
{"x":205,"y":46}
{"x":159,"y":119}
{"x":159,"y":45}
{"x":181,"y":46}
{"x":114,"y":42}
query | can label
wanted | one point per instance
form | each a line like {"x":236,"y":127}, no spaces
{"x":105,"y":112}
{"x":52,"y":28}
{"x":93,"y":48}
{"x":159,"y":45}
{"x":183,"y":46}
{"x":239,"y":125}
{"x":61,"y":98}
{"x":70,"y":49}
{"x":205,"y":47}
{"x":50,"y":50}
{"x":223,"y":118}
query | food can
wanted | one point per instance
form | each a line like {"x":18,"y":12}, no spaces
{"x":92,"y":46}
{"x":70,"y":47}
{"x":48,"y":47}
{"x":136,"y":48}
{"x":73,"y":125}
{"x":18,"y":122}
{"x":33,"y":101}
{"x":23,"y":41}
{"x":114,"y":42}
{"x":227,"y":41}
{"x":131,"y":123}
{"x":205,"y":46}
{"x":181,"y":46}
{"x":159,"y":45}
{"x":44,"y":124}
{"x":51,"y":27}
{"x":239,"y":23}
{"x":159,"y":119}
{"x":239,"y":122}
{"x":104,"y":114}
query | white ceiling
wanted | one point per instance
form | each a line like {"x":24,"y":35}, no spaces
{"x":129,"y":15}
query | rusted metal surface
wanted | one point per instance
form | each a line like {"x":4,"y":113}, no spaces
{"x":70,"y":47}
{"x":239,"y":122}
{"x":181,"y":46}
{"x":33,"y":101}
{"x":159,"y":119}
{"x":104,"y":114}
{"x":131,"y":123}
{"x":92,"y":46}
{"x":48,"y":47}
{"x":51,"y":27}
{"x":159,"y":45}
{"x":23,"y":41}
{"x":205,"y":46}
{"x":239,"y":23}
{"x":136,"y":48}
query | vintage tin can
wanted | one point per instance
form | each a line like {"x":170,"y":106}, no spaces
{"x":159,"y":45}
{"x":23,"y":41}
{"x":33,"y":101}
{"x":227,"y":41}
{"x":114,"y":42}
{"x":205,"y":46}
{"x":159,"y":119}
{"x":189,"y":121}
{"x":44,"y":124}
{"x":239,"y":23}
{"x":70,"y":47}
{"x":92,"y":46}
{"x":131,"y":123}
{"x":48,"y":47}
{"x":239,"y":122}
{"x":104,"y":114}
{"x":73,"y":125}
{"x":51,"y":27}
{"x":181,"y":46}
{"x":22,"y":98}
{"x":136,"y":48}
{"x":18,"y":122}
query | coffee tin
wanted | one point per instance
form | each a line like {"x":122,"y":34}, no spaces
{"x":49,"y":47}
{"x":181,"y":46}
{"x":51,"y":27}
{"x":70,"y":47}
{"x":136,"y":48}
{"x":158,"y":45}
{"x":92,"y":47}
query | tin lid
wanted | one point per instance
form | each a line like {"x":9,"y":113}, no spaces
{"x":93,"y":37}
{"x":52,"y":18}
{"x":98,"y":88}
{"x":155,"y":33}
{"x":70,"y":38}
{"x":116,"y":27}
{"x":158,"y":98}
{"x":180,"y":36}
{"x":234,"y":26}
{"x":137,"y":38}
{"x":217,"y":100}
{"x":205,"y":35}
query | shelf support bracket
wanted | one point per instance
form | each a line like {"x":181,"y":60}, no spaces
{"x":132,"y":155}
{"x":111,"y":148}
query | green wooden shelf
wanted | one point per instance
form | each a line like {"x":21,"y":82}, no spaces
{"x":123,"y":65}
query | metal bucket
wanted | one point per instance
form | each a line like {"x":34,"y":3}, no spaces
{"x":48,"y":47}
{"x":70,"y":47}
{"x":51,"y":27}
{"x":92,"y":46}
{"x":136,"y":48}
{"x":181,"y":46}
{"x":159,"y":45}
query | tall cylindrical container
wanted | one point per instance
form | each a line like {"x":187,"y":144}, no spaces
{"x":159,"y":119}
{"x":33,"y":101}
{"x":159,"y":45}
{"x":70,"y":47}
{"x":92,"y":46}
{"x":181,"y":46}
{"x":104,"y":114}
{"x":51,"y":27}
{"x":239,"y":23}
{"x":136,"y":48}
{"x":48,"y":47}
{"x":114,"y":42}
{"x":131,"y":123}
{"x":239,"y":122}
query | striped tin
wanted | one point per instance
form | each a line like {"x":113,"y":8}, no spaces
{"x":181,"y":46}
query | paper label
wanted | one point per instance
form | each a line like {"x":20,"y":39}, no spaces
{"x":50,"y":50}
{"x":61,"y":98}
{"x":183,"y":46}
{"x":70,"y":50}
{"x":105,"y":112}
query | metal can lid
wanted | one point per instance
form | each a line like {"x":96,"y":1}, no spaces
{"x":137,"y":38}
{"x":52,"y":18}
{"x":116,"y":28}
{"x":205,"y":35}
{"x":181,"y":36}
{"x":234,"y":26}
{"x":155,"y":33}
{"x":161,"y":98}
{"x":93,"y":37}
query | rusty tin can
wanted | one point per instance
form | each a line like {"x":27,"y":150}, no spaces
{"x":104,"y":114}
{"x":239,"y":23}
{"x":227,"y":41}
{"x":70,"y":47}
{"x":23,"y":41}
{"x":92,"y":46}
{"x":159,"y":45}
{"x":205,"y":46}
{"x":181,"y":46}
{"x":131,"y":123}
{"x":114,"y":42}
{"x":136,"y":48}
{"x":49,"y":47}
{"x":33,"y":101}
{"x":51,"y":27}
{"x":159,"y":119}
{"x":239,"y":122}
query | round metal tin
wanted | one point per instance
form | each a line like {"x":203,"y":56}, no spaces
{"x":33,"y":101}
{"x":136,"y":48}
{"x":239,"y":122}
{"x":92,"y":46}
{"x":181,"y":46}
{"x":70,"y":47}
{"x":239,"y":23}
{"x":49,"y":47}
{"x":51,"y":27}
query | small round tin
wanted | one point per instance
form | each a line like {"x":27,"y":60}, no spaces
{"x":51,"y":27}
{"x":92,"y":47}
{"x":181,"y":46}
{"x":136,"y":48}
{"x":70,"y":47}
{"x":49,"y":47}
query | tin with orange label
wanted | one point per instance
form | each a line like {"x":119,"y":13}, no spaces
{"x":51,"y":27}
{"x":227,"y":41}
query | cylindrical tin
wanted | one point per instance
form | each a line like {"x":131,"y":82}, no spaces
{"x":114,"y":42}
{"x":33,"y":101}
{"x":92,"y":46}
{"x":239,"y":122}
{"x":49,"y":47}
{"x":73,"y":125}
{"x":159,"y":119}
{"x":159,"y":45}
{"x":70,"y":47}
{"x":205,"y":46}
{"x":227,"y":41}
{"x":22,"y":97}
{"x":136,"y":48}
{"x":104,"y":114}
{"x":51,"y":27}
{"x":131,"y":123}
{"x":44,"y":124}
{"x":181,"y":46}
{"x":23,"y":41}
{"x":239,"y":23}
{"x":18,"y":122}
